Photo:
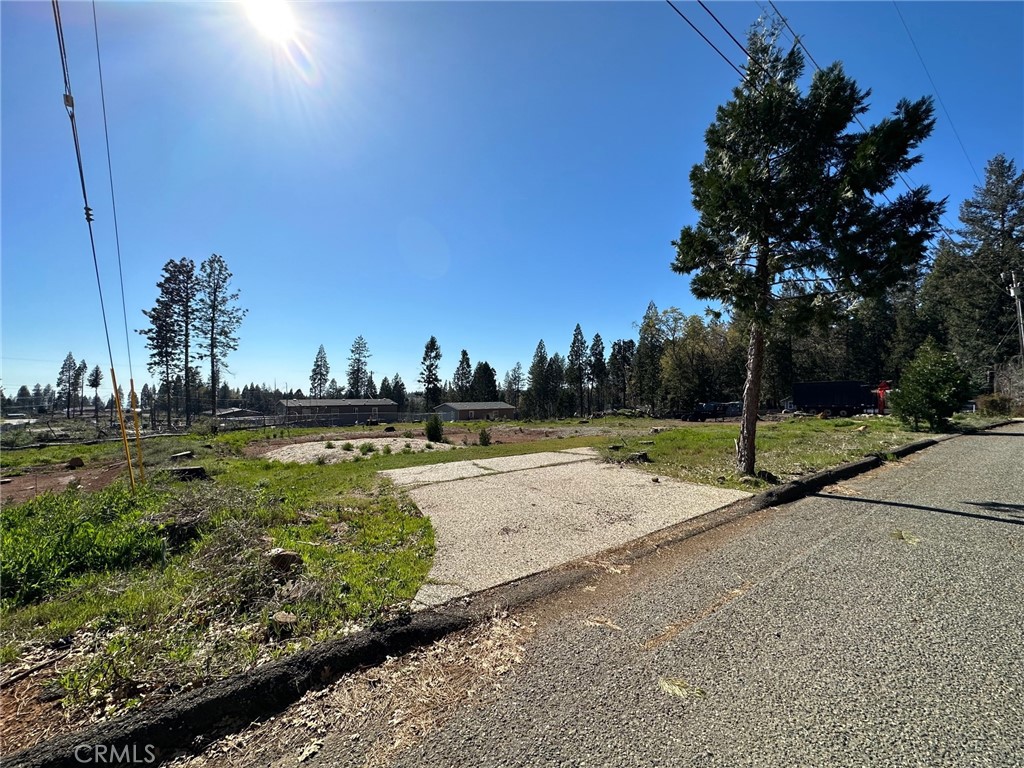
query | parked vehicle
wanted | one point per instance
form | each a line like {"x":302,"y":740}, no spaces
{"x":705,"y":411}
{"x":833,"y":398}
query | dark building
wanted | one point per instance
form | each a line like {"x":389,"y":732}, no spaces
{"x":471,"y":411}
{"x":339,"y":412}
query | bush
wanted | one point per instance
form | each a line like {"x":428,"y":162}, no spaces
{"x":346,"y":447}
{"x":485,"y":437}
{"x":435,"y":430}
{"x":933,"y":387}
{"x":995,"y":405}
{"x":366,"y":448}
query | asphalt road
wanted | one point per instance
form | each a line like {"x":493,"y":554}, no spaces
{"x":879,"y":623}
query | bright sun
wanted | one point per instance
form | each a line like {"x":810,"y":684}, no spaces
{"x":272,"y":18}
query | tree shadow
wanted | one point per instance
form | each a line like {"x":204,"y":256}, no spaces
{"x":1016,"y":511}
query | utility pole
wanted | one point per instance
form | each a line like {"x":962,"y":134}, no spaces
{"x":1017,"y":292}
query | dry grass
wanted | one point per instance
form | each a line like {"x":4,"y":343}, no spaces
{"x":381,"y":711}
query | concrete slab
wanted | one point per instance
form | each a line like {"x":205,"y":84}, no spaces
{"x":434,"y":473}
{"x":492,"y":528}
{"x":459,"y":470}
{"x":533,"y":460}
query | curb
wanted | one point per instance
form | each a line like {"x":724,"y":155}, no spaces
{"x":155,"y":735}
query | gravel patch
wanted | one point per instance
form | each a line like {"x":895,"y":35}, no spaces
{"x":493,"y":528}
{"x":308,"y":453}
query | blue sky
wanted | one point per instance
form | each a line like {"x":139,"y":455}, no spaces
{"x":489,"y":173}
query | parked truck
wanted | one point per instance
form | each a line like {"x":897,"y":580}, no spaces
{"x":833,"y":398}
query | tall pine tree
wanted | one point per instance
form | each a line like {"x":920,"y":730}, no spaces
{"x":788,"y":200}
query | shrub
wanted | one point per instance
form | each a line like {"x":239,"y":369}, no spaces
{"x":435,"y":430}
{"x":346,"y":447}
{"x":933,"y":387}
{"x":485,"y":437}
{"x":328,"y":444}
{"x":407,"y":433}
{"x":366,"y":448}
{"x":995,"y":405}
{"x":386,"y":450}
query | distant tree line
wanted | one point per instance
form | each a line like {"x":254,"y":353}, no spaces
{"x":955,"y":300}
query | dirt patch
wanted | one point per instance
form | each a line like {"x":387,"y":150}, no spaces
{"x":369,"y":716}
{"x":28,"y":482}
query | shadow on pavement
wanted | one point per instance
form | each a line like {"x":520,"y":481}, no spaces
{"x":1000,"y":506}
{"x":1013,"y":509}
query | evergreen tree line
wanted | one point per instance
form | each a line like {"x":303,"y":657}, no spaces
{"x":957,"y":299}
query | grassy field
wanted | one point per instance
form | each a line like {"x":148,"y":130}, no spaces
{"x":703,"y":453}
{"x":173,"y":586}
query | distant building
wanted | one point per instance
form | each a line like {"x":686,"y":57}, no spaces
{"x":234,"y":413}
{"x":340,"y":412}
{"x":471,"y":411}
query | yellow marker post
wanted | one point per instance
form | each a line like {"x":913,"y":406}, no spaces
{"x":138,"y":437}
{"x":124,"y":432}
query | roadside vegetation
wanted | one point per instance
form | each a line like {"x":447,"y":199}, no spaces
{"x":786,"y":449}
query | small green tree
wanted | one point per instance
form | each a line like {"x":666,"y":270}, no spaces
{"x":430,"y":378}
{"x":933,"y":387}
{"x":318,"y":377}
{"x":435,"y":430}
{"x":462,"y":379}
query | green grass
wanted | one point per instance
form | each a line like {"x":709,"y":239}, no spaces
{"x":157,"y":615}
{"x":704,"y":453}
{"x":53,"y":537}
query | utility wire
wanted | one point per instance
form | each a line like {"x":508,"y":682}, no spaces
{"x":949,"y":235}
{"x":796,"y":37}
{"x":69,"y":104}
{"x":936,"y":89}
{"x":724,"y":28}
{"x":706,"y":40}
{"x":110,"y":176}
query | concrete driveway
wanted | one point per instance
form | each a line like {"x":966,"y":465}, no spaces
{"x":500,"y":519}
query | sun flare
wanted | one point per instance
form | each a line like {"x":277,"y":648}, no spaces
{"x":272,"y":18}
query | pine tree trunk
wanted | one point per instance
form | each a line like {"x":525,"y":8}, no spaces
{"x":745,"y":447}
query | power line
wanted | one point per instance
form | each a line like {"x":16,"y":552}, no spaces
{"x":724,"y":28}
{"x":937,"y":94}
{"x":69,"y":104}
{"x":943,"y":229}
{"x":110,"y":176}
{"x":796,"y":37}
{"x":725,"y":58}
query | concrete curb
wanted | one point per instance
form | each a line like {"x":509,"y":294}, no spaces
{"x":172,"y":727}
